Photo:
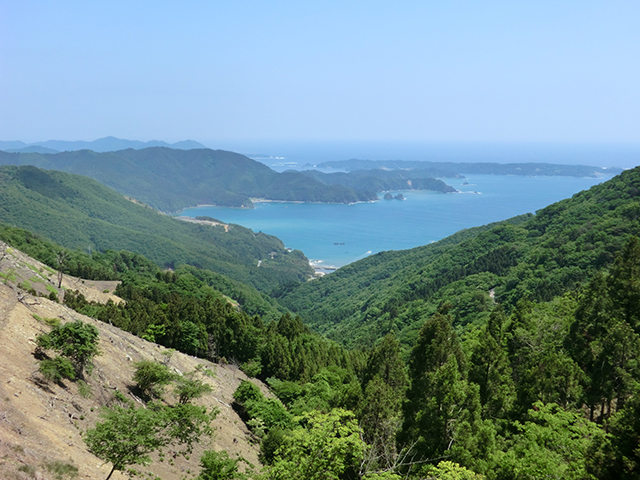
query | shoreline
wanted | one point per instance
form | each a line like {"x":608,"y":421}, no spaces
{"x":186,"y":218}
{"x":297,"y":202}
{"x":261,"y":200}
{"x":319,"y":270}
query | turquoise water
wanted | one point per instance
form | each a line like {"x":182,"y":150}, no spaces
{"x":336,"y":235}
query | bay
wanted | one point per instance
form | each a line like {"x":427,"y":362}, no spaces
{"x":333,"y":235}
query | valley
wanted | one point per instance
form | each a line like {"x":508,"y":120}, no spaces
{"x":466,"y":354}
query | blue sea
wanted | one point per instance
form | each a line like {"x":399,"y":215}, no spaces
{"x":335,"y":235}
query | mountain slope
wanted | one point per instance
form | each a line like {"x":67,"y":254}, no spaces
{"x":170,"y":180}
{"x":538,"y":257}
{"x":42,"y":423}
{"x":78,"y":212}
{"x":384,"y":180}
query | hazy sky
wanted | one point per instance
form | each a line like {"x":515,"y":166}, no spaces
{"x":220,"y":71}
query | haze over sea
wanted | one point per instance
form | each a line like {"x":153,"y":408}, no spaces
{"x":335,"y":235}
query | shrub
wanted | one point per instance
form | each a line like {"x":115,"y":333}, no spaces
{"x":62,"y":470}
{"x":77,"y":341}
{"x":187,"y":388}
{"x":252,"y":368}
{"x":218,"y":466}
{"x":84,"y":389}
{"x":270,"y":411}
{"x":57,"y":369}
{"x":151,"y":377}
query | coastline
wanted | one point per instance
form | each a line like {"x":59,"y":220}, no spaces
{"x":266,"y":200}
{"x":319,"y":270}
{"x":186,"y":218}
{"x":261,"y":200}
{"x":424,"y":218}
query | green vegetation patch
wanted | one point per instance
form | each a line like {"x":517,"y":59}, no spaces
{"x":9,"y":276}
{"x":536,"y":257}
{"x":81,"y":214}
{"x":61,"y":470}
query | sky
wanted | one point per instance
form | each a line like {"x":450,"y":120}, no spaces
{"x":238,"y":73}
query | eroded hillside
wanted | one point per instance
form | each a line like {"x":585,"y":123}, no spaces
{"x":42,"y":423}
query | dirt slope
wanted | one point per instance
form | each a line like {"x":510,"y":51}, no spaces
{"x":42,"y":423}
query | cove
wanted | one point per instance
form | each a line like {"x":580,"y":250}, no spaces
{"x":333,"y":235}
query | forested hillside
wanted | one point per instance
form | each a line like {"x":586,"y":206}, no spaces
{"x":170,"y":180}
{"x":538,"y":258}
{"x":383,"y":180}
{"x":506,"y":351}
{"x":78,"y":212}
{"x":525,"y":395}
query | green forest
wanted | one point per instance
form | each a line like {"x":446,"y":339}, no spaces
{"x":508,"y":351}
{"x":79,"y":213}
{"x":171,"y":180}
{"x":535,"y":257}
{"x":378,"y":180}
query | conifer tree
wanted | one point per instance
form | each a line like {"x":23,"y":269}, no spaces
{"x":542,"y":368}
{"x":440,"y":403}
{"x":624,"y":285}
{"x":490,"y":368}
{"x":604,"y":338}
{"x":379,"y":409}
{"x":617,"y":455}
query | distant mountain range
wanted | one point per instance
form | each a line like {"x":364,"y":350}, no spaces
{"x":106,"y":144}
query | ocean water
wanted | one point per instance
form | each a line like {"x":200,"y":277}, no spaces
{"x":335,"y":235}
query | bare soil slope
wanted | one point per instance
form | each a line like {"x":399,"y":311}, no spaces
{"x":42,"y":423}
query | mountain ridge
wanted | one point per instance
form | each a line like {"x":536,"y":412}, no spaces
{"x":105,"y":144}
{"x":170,"y":180}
